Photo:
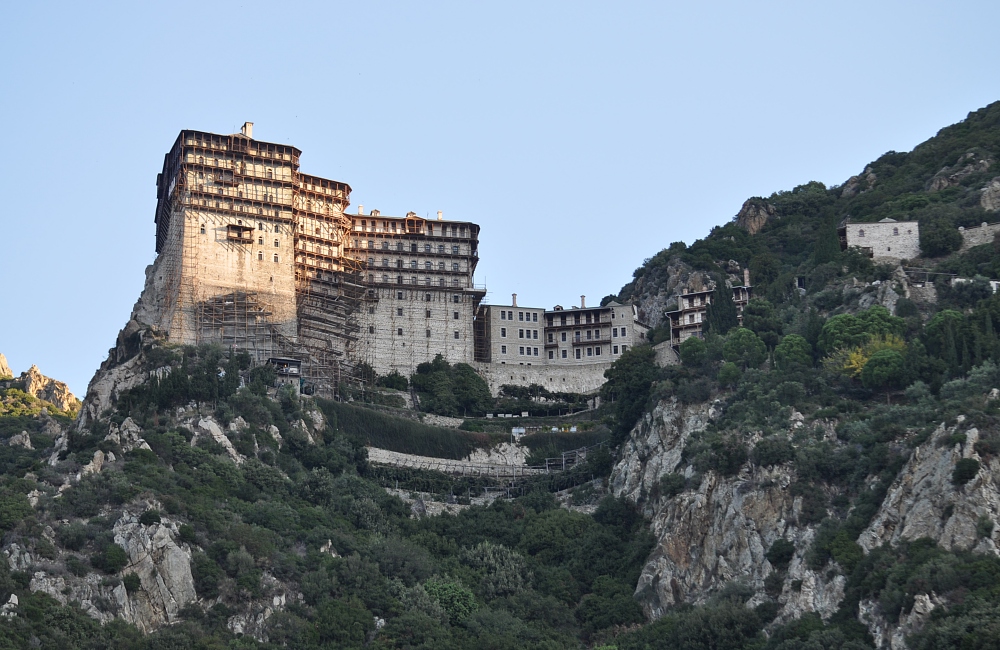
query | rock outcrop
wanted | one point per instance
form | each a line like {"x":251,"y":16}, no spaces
{"x":718,"y":531}
{"x":754,"y":215}
{"x":48,"y":389}
{"x":969,"y":163}
{"x":858,"y":184}
{"x":5,"y":371}
{"x":989,"y":200}
{"x":923,"y":501}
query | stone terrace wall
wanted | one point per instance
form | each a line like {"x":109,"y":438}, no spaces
{"x":582,"y":378}
{"x":982,"y":234}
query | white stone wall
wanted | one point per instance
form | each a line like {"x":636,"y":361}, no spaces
{"x":892,"y":240}
{"x":982,"y":234}
{"x":515,"y":334}
{"x":583,"y":378}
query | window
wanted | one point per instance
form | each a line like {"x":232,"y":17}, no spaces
{"x":428,"y":333}
{"x":260,"y":255}
{"x":520,"y":315}
{"x":385,"y":278}
{"x":590,"y":352}
{"x":550,"y":337}
{"x":456,"y":298}
{"x":399,"y":280}
{"x":427,"y":248}
{"x":456,"y":334}
{"x":564,"y":354}
{"x":399,"y":331}
{"x":578,"y":353}
{"x":427,"y":298}
{"x":895,"y":231}
{"x":203,"y":229}
{"x":623,"y":331}
{"x":440,"y":266}
{"x":454,"y":250}
{"x":690,"y":318}
{"x":534,"y":317}
{"x":534,"y":334}
{"x":614,"y":349}
{"x":564,"y":337}
{"x":413,"y":264}
{"x":454,"y":315}
{"x":510,"y":315}
{"x":371,"y":261}
{"x":371,"y":243}
{"x":399,"y":295}
{"x":597,"y":351}
{"x":589,"y":335}
{"x":614,"y":332}
{"x":861,"y":233}
{"x":454,"y":266}
{"x":503,"y":332}
{"x":413,"y":248}
{"x":371,"y":310}
{"x":441,"y":249}
{"x":520,"y":334}
{"x":503,"y":349}
{"x":371,"y":329}
{"x":503,"y":315}
{"x":551,"y":354}
{"x":624,"y":347}
{"x":399,"y":246}
{"x":413,"y":280}
{"x":385,"y":244}
{"x":535,"y":350}
{"x":520,"y":350}
{"x":260,"y":241}
{"x":275,"y":257}
{"x":428,"y":266}
{"x":385,"y":261}
{"x":399,"y":311}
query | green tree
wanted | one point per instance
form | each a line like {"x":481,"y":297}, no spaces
{"x":884,"y":370}
{"x":939,"y":238}
{"x":744,"y":348}
{"x":721,"y":315}
{"x":693,"y":352}
{"x":848,"y":331}
{"x":729,"y":374}
{"x":629,"y":380}
{"x":793,"y":351}
{"x":760,"y":318}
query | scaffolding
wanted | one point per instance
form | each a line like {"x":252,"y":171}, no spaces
{"x":239,"y":320}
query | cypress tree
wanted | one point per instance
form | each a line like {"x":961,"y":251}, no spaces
{"x":721,"y":316}
{"x":948,"y":351}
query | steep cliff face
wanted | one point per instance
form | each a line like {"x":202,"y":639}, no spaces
{"x":5,"y":371}
{"x":924,"y":502}
{"x":655,"y":291}
{"x":719,"y":529}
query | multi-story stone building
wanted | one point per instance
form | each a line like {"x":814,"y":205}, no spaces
{"x":257,"y":255}
{"x":692,"y":306}
{"x":887,"y":240}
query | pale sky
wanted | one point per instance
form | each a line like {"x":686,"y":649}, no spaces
{"x":582,"y":137}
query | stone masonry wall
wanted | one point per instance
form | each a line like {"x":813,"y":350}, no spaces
{"x":982,"y":234}
{"x":884,"y":244}
{"x":582,"y":378}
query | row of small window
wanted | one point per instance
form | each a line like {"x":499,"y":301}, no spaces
{"x":522,"y":334}
{"x":388,"y":226}
{"x":578,"y":353}
{"x":424,"y":281}
{"x":413,"y":264}
{"x":242,"y":167}
{"x":260,"y":256}
{"x":427,"y":313}
{"x":895,"y":231}
{"x":260,"y":226}
{"x":399,"y":332}
{"x":521,"y":316}
{"x":399,"y":247}
{"x":427,"y":297}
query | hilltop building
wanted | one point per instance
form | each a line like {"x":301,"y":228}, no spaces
{"x":886,"y":240}
{"x":252,"y":253}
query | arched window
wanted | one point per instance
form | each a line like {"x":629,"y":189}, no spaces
{"x":276,"y":243}
{"x":861,"y":233}
{"x":275,"y":257}
{"x":260,"y":255}
{"x":260,"y":241}
{"x":895,"y":231}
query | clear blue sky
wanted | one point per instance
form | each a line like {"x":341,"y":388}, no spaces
{"x":583,"y":137}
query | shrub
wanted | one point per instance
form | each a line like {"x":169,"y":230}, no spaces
{"x":729,"y":374}
{"x":775,"y":450}
{"x":149,"y":517}
{"x":110,"y":560}
{"x":186,"y":534}
{"x":672,"y":484}
{"x":693,"y":352}
{"x":454,"y":597}
{"x":984,"y":526}
{"x":781,"y":553}
{"x":965,"y":470}
{"x":793,"y":351}
{"x":132,"y":583}
{"x":744,"y":348}
{"x":76,"y":566}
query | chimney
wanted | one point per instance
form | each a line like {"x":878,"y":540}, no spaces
{"x":583,"y":302}
{"x":361,"y":209}
{"x":247,"y":129}
{"x":513,"y":300}
{"x":746,"y":277}
{"x":440,"y":215}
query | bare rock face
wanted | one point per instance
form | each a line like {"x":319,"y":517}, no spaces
{"x":969,"y":163}
{"x":989,"y":200}
{"x":50,"y":390}
{"x":858,"y":184}
{"x":719,"y":531}
{"x":164,"y":570}
{"x":754,"y":214}
{"x":20,"y":440}
{"x":212,"y":428}
{"x":923,"y":502}
{"x":5,"y":371}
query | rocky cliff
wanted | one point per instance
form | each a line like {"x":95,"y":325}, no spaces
{"x":719,"y":529}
